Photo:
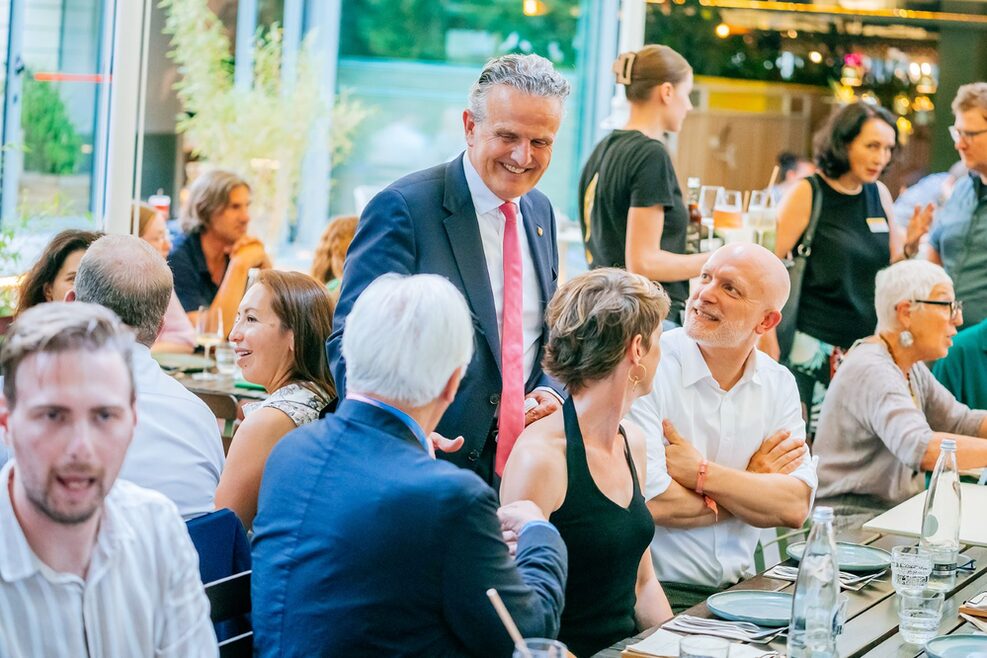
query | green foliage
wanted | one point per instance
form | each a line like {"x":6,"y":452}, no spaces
{"x":51,"y":144}
{"x":416,"y":29}
{"x":263,"y":131}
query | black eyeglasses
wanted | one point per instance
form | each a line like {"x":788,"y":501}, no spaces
{"x":967,"y":135}
{"x":955,"y":306}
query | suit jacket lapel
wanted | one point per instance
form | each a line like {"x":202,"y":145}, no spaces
{"x":541,"y":250}
{"x":467,"y":247}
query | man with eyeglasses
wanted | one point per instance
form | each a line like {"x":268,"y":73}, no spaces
{"x":958,"y":239}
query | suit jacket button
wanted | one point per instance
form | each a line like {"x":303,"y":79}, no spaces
{"x":473,"y":456}
{"x":495,"y":399}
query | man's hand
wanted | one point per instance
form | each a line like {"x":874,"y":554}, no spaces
{"x":514,"y":516}
{"x":547,"y":404}
{"x":438,"y":442}
{"x":918,"y":227}
{"x":681,"y":457}
{"x":249,"y":252}
{"x":779,"y":453}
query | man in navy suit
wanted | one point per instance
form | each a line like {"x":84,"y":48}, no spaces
{"x":450,"y":220}
{"x":366,"y":545}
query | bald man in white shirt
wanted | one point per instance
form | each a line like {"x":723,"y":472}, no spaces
{"x":89,"y":565}
{"x":726,"y":439}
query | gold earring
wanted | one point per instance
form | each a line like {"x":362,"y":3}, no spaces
{"x":636,"y":380}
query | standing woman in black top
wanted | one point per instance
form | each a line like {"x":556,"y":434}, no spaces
{"x":853,"y":241}
{"x":631,"y":207}
{"x":583,"y":466}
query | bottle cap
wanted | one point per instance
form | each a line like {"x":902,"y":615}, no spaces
{"x":822,"y":514}
{"x":948,"y":444}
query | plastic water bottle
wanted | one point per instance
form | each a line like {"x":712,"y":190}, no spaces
{"x":813,"y":629}
{"x":941,"y":518}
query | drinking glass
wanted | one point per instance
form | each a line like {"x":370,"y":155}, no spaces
{"x":760,"y":199}
{"x":707,"y":200}
{"x":225,"y":359}
{"x":910,"y":568}
{"x":764,"y":222}
{"x":540,"y":647}
{"x":208,"y":333}
{"x":919,"y":614}
{"x":703,"y":646}
{"x":728,"y":209}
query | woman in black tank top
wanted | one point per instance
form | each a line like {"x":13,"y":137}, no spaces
{"x":583,"y":467}
{"x":854,"y":238}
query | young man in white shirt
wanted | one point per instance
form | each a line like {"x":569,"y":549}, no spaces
{"x":726,"y":439}
{"x":89,"y":566}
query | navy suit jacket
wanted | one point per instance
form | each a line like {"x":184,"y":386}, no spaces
{"x":426,"y":223}
{"x":365,"y":545}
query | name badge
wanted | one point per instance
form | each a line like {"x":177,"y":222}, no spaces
{"x":877,"y":225}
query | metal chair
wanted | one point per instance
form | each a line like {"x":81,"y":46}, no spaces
{"x":225,"y":408}
{"x":229,"y":598}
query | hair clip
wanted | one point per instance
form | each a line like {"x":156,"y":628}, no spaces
{"x":623,"y":66}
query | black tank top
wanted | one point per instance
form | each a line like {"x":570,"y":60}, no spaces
{"x":837,"y":303}
{"x":605,"y":544}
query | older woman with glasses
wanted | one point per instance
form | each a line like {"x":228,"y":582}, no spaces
{"x":885,"y":415}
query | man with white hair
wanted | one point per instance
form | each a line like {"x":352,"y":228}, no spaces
{"x":479,"y":222}
{"x":364,"y":544}
{"x":733,"y":458}
{"x":90,"y":565}
{"x":177,"y":449}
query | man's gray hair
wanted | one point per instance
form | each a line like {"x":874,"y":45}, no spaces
{"x":126,"y":275}
{"x":531,"y":74}
{"x":405,"y":337}
{"x":904,"y":281}
{"x":58,"y":327}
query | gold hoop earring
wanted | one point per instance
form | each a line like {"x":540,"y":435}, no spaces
{"x":636,"y":380}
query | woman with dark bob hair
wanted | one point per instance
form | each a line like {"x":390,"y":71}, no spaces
{"x":53,"y":274}
{"x":279,"y":336}
{"x":583,"y":465}
{"x":853,"y":240}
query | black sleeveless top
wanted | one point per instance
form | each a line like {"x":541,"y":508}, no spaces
{"x":837,"y":303}
{"x":605,"y":544}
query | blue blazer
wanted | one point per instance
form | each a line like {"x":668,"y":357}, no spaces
{"x":426,"y":223}
{"x":365,"y":545}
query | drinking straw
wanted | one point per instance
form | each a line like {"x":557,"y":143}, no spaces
{"x":505,"y":618}
{"x":774,"y":176}
{"x":747,"y":198}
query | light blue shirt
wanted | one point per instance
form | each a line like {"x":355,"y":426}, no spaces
{"x":959,"y":235}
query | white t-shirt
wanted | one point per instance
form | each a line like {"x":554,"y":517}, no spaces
{"x":726,"y":427}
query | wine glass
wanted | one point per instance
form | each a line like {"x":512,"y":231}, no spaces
{"x":761,"y":217}
{"x":208,"y":334}
{"x":707,"y":200}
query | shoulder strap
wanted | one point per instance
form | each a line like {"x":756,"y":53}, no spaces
{"x":805,"y":246}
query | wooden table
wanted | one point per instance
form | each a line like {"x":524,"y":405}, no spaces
{"x":871,"y":628}
{"x":222,"y":384}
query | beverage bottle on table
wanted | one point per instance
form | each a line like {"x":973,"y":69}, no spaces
{"x":941,"y":518}
{"x":812,"y":631}
{"x":694,"y":229}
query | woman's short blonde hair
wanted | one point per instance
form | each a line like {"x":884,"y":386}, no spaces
{"x":592,"y":319}
{"x":904,"y":281}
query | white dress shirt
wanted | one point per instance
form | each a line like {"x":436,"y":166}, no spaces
{"x":177,"y":449}
{"x":726,"y":427}
{"x":141,"y":596}
{"x":492,"y":222}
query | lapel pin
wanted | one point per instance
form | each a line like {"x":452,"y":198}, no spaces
{"x":540,"y":232}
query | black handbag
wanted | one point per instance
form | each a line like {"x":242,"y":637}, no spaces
{"x":796,"y":271}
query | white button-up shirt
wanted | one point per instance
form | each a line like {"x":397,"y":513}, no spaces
{"x":492,"y":222}
{"x":726,"y":427}
{"x":141,"y":597}
{"x":177,"y":449}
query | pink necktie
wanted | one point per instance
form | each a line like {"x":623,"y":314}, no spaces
{"x":511,"y":420}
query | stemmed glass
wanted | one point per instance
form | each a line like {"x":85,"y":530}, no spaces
{"x":208,"y":334}
{"x":761,"y":218}
{"x":728,"y":209}
{"x":707,"y":200}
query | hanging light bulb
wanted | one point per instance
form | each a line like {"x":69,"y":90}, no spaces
{"x":722,"y":30}
{"x":534,"y":8}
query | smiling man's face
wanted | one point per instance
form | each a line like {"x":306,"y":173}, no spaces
{"x":512,"y":146}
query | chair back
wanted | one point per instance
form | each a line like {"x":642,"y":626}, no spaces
{"x":229,"y":599}
{"x":224,"y":551}
{"x":225,"y":408}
